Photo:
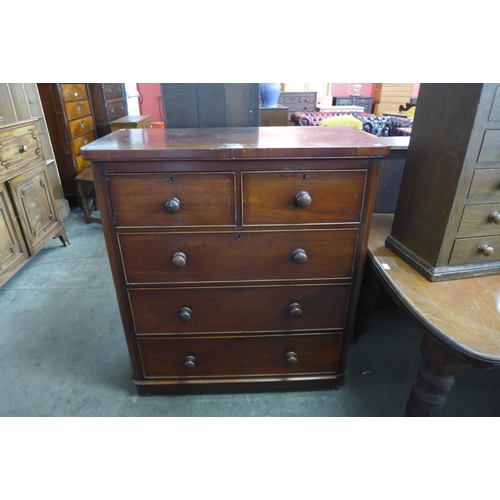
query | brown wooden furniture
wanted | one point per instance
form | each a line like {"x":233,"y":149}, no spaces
{"x":459,"y":318}
{"x":389,"y":96}
{"x":133,"y":121}
{"x":88,"y":199}
{"x":28,"y":212}
{"x":237,"y":253}
{"x":273,"y":117}
{"x":108,"y":104}
{"x":298,"y":102}
{"x":71,"y":125}
{"x":365,"y":102}
{"x":447,"y":222}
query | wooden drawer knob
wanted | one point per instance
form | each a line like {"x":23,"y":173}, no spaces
{"x":295,"y":310}
{"x":486,"y":250}
{"x":494,"y":217}
{"x":189,"y":362}
{"x":179,"y":259}
{"x":23,"y":148}
{"x":291,"y":358}
{"x":185,"y":314}
{"x":303,"y":199}
{"x":299,"y":256}
{"x":172,"y":205}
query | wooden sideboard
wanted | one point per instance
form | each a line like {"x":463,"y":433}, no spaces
{"x":29,"y":217}
{"x":236,"y":253}
{"x":447,"y":219}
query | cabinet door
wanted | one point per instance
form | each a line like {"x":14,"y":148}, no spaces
{"x":35,"y":204}
{"x":13,"y":253}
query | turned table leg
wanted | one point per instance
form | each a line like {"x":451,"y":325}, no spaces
{"x":434,"y":379}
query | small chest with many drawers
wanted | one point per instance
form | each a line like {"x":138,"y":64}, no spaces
{"x":236,"y":253}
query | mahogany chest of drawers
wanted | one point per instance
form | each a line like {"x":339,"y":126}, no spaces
{"x":236,"y":253}
{"x":108,"y":104}
{"x":447,"y":222}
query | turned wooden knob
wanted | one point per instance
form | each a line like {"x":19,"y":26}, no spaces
{"x":494,"y":217}
{"x":486,"y":250}
{"x":185,"y":314}
{"x":189,"y":362}
{"x":303,"y":199}
{"x":179,"y":259}
{"x":299,"y":256}
{"x":295,"y":310}
{"x":23,"y":148}
{"x":172,"y":205}
{"x":291,"y":358}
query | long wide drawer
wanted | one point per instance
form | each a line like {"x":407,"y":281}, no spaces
{"x":237,"y":256}
{"x":173,"y":200}
{"x":312,"y":197}
{"x":239,"y":356}
{"x":238,"y":309}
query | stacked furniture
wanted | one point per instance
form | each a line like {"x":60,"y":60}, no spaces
{"x":70,"y":122}
{"x":298,"y":102}
{"x":108,"y":103}
{"x":29,"y":217}
{"x":236,"y":253}
{"x":447,"y":222}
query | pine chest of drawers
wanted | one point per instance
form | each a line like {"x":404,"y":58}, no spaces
{"x":236,"y":253}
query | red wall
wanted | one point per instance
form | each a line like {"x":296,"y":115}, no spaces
{"x":152,"y":106}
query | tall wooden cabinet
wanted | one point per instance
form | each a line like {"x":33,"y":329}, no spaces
{"x":237,"y":253}
{"x":447,"y":219}
{"x":108,"y":103}
{"x":389,"y":96}
{"x":70,"y":122}
{"x":29,"y":217}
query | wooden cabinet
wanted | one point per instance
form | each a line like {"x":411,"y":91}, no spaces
{"x":68,"y":112}
{"x":298,"y":101}
{"x":237,"y":253}
{"x":366,"y":102}
{"x":134,"y":121}
{"x":28,"y":212}
{"x":446,"y":223}
{"x":109,"y":103}
{"x":389,"y":96}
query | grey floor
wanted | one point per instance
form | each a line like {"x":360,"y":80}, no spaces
{"x":63,"y":353}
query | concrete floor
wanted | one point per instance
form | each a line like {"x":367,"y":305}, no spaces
{"x":63,"y":353}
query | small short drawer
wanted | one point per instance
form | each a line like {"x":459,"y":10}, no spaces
{"x":81,"y":126}
{"x":19,"y":146}
{"x":173,"y":200}
{"x":116,"y":109}
{"x":81,"y":164}
{"x":81,"y":141}
{"x":484,"y":249}
{"x":74,"y":92}
{"x":175,"y":311}
{"x":78,"y":109}
{"x":485,"y":184}
{"x":113,"y":91}
{"x":155,"y":258}
{"x":312,"y":197}
{"x":480,"y":220}
{"x":240,"y":356}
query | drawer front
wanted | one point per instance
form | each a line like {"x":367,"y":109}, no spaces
{"x":191,"y":199}
{"x":485,"y":184}
{"x":479,"y":220}
{"x":81,"y":164}
{"x":116,"y":109}
{"x":77,"y":109}
{"x":245,"y":256}
{"x":74,"y":92}
{"x":81,"y":126}
{"x":490,"y":148}
{"x":239,"y":309}
{"x":237,"y":356}
{"x":113,"y":91}
{"x":19,"y":147}
{"x":81,"y":141}
{"x":273,"y":198}
{"x":467,"y":250}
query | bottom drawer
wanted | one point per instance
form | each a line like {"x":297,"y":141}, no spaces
{"x":485,"y":249}
{"x":240,"y":356}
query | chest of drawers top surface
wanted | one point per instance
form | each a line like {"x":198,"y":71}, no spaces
{"x":234,"y":143}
